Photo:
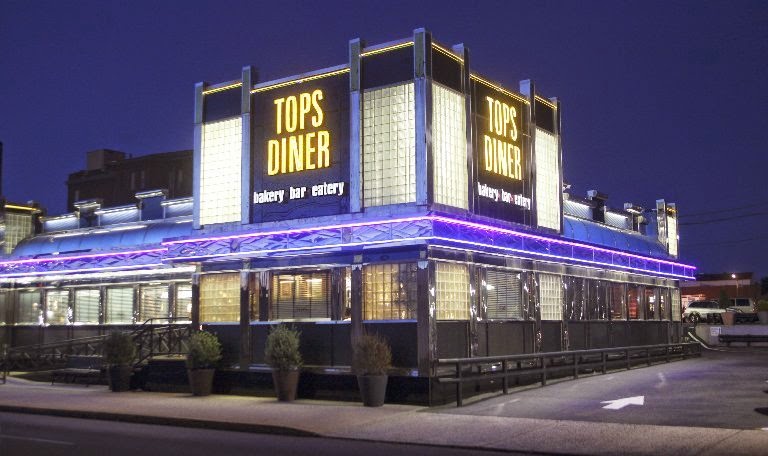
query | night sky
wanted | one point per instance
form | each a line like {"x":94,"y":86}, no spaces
{"x":660,"y":99}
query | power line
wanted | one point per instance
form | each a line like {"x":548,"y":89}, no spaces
{"x":720,"y":211}
{"x":736,"y":241}
{"x":724,"y":219}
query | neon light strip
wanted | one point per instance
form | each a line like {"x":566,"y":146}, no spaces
{"x":433,"y":218}
{"x":20,"y":275}
{"x":90,"y":274}
{"x":80,"y":257}
{"x":559,"y":257}
{"x":545,"y":101}
{"x":221,"y":89}
{"x":301,"y":249}
{"x":447,"y":52}
{"x":499,"y":88}
{"x":300,"y":80}
{"x":386,"y":49}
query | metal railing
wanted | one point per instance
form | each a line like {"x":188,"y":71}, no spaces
{"x":151,"y":339}
{"x":543,"y":365}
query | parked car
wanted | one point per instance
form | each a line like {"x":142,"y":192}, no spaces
{"x":703,"y":310}
{"x":743,"y":305}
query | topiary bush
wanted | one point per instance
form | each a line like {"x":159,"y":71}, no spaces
{"x":371,"y":355}
{"x":119,"y":348}
{"x":204,"y":351}
{"x":282,"y":350}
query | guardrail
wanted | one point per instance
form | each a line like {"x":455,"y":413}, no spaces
{"x":544,"y":364}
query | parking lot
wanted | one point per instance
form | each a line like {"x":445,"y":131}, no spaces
{"x":721,"y":389}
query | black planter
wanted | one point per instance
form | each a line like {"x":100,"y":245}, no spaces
{"x":119,"y":378}
{"x":200,"y":381}
{"x":286,"y":382}
{"x":373,"y":389}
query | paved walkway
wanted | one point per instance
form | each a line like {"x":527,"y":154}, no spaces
{"x":391,"y":423}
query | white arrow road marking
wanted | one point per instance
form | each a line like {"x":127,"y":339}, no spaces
{"x":618,"y":404}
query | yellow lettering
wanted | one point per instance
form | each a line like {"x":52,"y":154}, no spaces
{"x":310,"y":150}
{"x":317,"y":119}
{"x":282,"y":155}
{"x":323,"y":149}
{"x":297,"y":154}
{"x":513,"y":133}
{"x":305,"y":104}
{"x":518,"y":173}
{"x":488,"y":153}
{"x":490,"y":113}
{"x":279,"y":112}
{"x":273,"y":152}
{"x":505,"y":114}
{"x":291,"y":114}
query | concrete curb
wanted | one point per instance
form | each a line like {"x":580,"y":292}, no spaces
{"x":161,"y":420}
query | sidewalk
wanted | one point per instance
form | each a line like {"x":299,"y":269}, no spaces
{"x":391,"y":423}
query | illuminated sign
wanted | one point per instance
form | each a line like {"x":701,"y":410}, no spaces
{"x":296,"y":148}
{"x":300,"y":149}
{"x":502,"y":184}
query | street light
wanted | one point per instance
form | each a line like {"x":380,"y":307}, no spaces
{"x":733,"y":276}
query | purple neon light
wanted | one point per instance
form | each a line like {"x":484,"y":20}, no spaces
{"x":81,"y":257}
{"x":428,"y":217}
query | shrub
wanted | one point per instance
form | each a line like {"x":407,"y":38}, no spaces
{"x":371,"y":355}
{"x":282,"y":350}
{"x":204,"y":351}
{"x":762,"y":305}
{"x":119,"y":349}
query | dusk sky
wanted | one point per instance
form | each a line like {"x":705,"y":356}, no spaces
{"x":661,"y":99}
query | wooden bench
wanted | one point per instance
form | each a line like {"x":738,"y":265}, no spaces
{"x":78,"y":367}
{"x":747,"y":338}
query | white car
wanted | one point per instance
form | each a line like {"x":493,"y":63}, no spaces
{"x":703,"y":310}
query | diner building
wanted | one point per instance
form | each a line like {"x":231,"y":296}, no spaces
{"x":402,"y":192}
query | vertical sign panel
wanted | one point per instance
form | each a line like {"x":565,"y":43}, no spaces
{"x":301,"y":150}
{"x":502,"y":186}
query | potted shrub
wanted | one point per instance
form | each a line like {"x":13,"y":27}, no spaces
{"x":204,"y":353}
{"x":119,"y":351}
{"x":283,"y":356}
{"x":371,"y":359}
{"x":762,"y":311}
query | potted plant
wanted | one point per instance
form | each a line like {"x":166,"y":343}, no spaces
{"x":283,"y":356}
{"x":371,"y":359}
{"x":762,"y":311}
{"x":204,"y":353}
{"x":119,"y":351}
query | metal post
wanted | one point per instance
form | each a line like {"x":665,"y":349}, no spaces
{"x":459,"y":401}
{"x":505,"y":383}
{"x":543,"y":372}
{"x":603,"y":358}
{"x":629,"y":366}
{"x":575,"y":366}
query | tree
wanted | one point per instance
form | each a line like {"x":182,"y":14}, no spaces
{"x":764,"y":286}
{"x":724,"y":300}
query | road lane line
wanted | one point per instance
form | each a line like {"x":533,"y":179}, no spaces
{"x":33,"y":439}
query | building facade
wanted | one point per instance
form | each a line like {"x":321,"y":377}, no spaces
{"x":114,"y":177}
{"x":401,"y":193}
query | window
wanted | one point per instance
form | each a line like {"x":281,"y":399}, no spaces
{"x":87,"y":306}
{"x":676,"y":312}
{"x":57,"y":311}
{"x":220,"y":298}
{"x":220,"y":168}
{"x":389,"y":292}
{"x":664,"y":303}
{"x":5,"y":309}
{"x":119,"y":305}
{"x":389,"y":146}
{"x":504,"y":296}
{"x":575,"y":299}
{"x":550,"y":297}
{"x":28,"y":308}
{"x":449,"y":147}
{"x":183,"y":300}
{"x":547,"y":180}
{"x":452,"y":291}
{"x":651,"y":304}
{"x":618,"y":301}
{"x":632,"y":302}
{"x":301,"y":296}
{"x":153,"y":302}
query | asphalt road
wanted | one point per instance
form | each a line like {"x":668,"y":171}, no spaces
{"x":32,"y":435}
{"x":719,"y":389}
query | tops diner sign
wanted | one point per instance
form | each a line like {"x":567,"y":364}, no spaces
{"x":301,"y":150}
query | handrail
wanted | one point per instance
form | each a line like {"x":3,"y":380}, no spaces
{"x":152,"y":339}
{"x":573,"y":361}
